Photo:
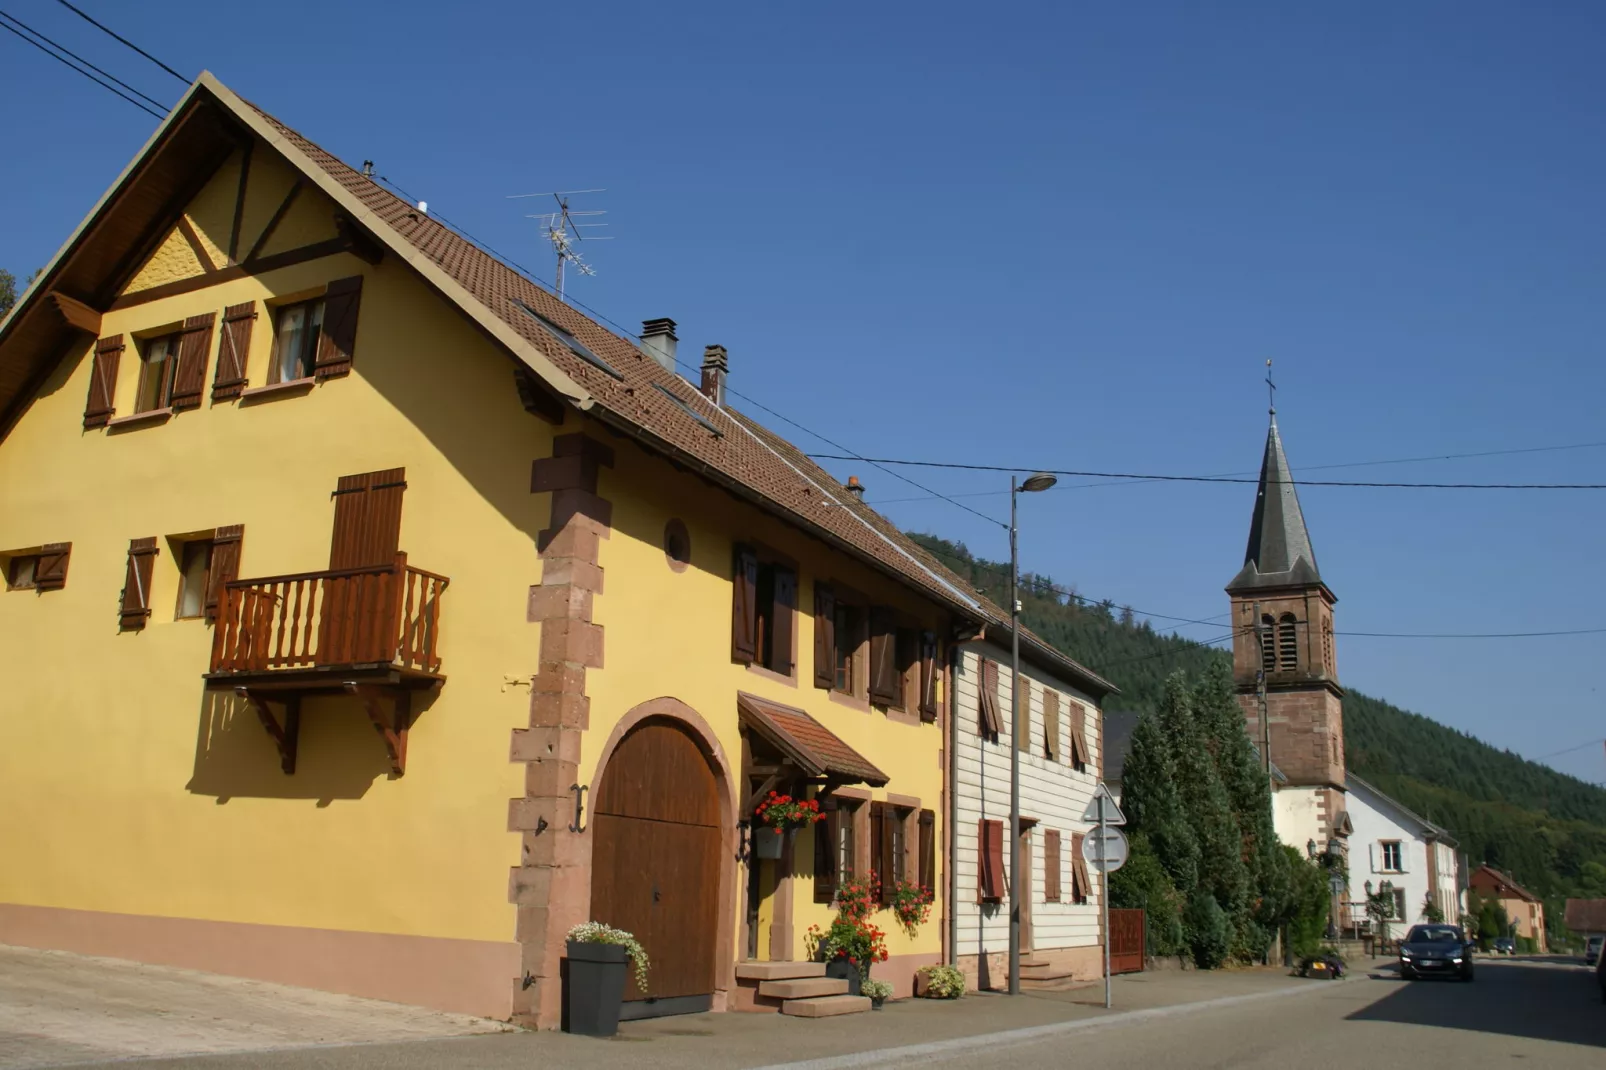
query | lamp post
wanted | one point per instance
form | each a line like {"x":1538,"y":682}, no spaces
{"x":1033,"y":483}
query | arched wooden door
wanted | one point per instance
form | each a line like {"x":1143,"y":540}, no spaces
{"x":655,"y":863}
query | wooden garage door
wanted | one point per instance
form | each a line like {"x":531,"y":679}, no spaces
{"x":655,"y":863}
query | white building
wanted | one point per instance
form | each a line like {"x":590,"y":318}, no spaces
{"x":1060,"y":764}
{"x":1415,"y":856}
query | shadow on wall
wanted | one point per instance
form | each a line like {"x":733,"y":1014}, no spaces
{"x":338,"y":754}
{"x":1510,"y":999}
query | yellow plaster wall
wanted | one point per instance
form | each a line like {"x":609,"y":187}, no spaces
{"x":128,"y":788}
{"x":172,"y":260}
{"x":668,"y":633}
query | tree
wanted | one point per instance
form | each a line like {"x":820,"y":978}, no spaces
{"x":8,"y":291}
{"x":1430,"y":909}
{"x":1153,"y":806}
{"x":1127,"y":618}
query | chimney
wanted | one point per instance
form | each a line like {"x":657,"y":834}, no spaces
{"x":856,"y":488}
{"x":715,"y":367}
{"x":658,"y":338}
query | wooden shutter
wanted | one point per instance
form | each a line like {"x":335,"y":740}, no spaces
{"x":928,"y":850}
{"x":1078,"y":748}
{"x":367,"y":530}
{"x":225,"y":566}
{"x":1021,"y":705}
{"x":234,"y":350}
{"x":878,"y":852}
{"x":824,"y":636}
{"x":744,"y":606}
{"x":338,"y":342}
{"x":782,"y":620}
{"x":889,"y":851}
{"x":991,"y":859}
{"x":194,"y":349}
{"x":50,"y":571}
{"x":987,"y":693}
{"x":825,"y":839}
{"x":1051,"y":725}
{"x":1081,"y":884}
{"x":1051,"y":865}
{"x":136,"y":608}
{"x":884,"y":689}
{"x":928,"y":676}
{"x":103,"y":382}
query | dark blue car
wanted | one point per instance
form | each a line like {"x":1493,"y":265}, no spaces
{"x":1435,"y":951}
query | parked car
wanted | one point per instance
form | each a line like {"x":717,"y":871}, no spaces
{"x":1435,"y":951}
{"x":1505,"y":945}
{"x":1592,"y":950}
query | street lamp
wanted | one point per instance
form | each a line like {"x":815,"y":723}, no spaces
{"x":1035,"y":482}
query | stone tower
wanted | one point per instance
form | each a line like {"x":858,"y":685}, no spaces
{"x":1283,"y":616}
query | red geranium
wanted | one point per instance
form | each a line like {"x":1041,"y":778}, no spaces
{"x":781,"y":812}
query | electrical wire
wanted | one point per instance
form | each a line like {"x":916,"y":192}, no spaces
{"x":63,"y":48}
{"x":113,"y":33}
{"x":1209,"y":479}
{"x":71,"y":66}
{"x":1569,"y":750}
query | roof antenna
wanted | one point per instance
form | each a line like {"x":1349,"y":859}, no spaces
{"x":1271,"y":390}
{"x":564,"y":233}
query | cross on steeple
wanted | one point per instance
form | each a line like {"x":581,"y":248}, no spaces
{"x":1271,"y":388}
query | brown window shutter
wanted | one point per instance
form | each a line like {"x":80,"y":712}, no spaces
{"x":1051,"y":865}
{"x":744,"y":606}
{"x":824,"y":636}
{"x":338,"y":343}
{"x":136,"y":608}
{"x":1078,"y":748}
{"x":928,"y":850}
{"x":990,"y":725}
{"x":889,"y":846}
{"x":878,"y":852}
{"x":367,"y":530}
{"x":1051,"y":725}
{"x":992,"y":859}
{"x":50,"y":572}
{"x":194,"y":350}
{"x":928,"y":676}
{"x":234,"y":350}
{"x":103,"y":382}
{"x":1080,"y":884}
{"x":783,"y":620}
{"x":884,"y":689}
{"x":225,"y":566}
{"x":826,"y":835}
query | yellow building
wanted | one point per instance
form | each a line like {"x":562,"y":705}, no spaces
{"x":372,"y":617}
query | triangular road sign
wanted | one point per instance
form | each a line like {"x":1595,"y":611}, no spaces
{"x":1112,"y":812}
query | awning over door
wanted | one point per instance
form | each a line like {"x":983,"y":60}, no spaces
{"x":815,"y":749}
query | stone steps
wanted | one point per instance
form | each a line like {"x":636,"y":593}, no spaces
{"x":778,"y":971}
{"x":804,"y":988}
{"x":826,"y":1006}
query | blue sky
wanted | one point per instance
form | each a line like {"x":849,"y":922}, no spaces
{"x":1057,"y":236}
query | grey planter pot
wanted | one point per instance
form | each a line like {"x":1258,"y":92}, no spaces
{"x":594,"y":988}
{"x":845,"y":970}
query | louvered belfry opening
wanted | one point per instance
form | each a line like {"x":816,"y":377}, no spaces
{"x":1268,"y":645}
{"x":1288,"y":643}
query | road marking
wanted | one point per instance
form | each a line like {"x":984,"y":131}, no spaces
{"x":885,"y":1056}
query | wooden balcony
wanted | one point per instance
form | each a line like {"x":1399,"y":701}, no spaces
{"x":381,"y":620}
{"x":370,"y":632}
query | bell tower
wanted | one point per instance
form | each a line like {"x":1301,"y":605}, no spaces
{"x":1284,"y":660}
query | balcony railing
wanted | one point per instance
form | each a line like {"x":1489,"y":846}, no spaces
{"x":382,"y":616}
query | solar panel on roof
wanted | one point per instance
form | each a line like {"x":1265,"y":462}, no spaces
{"x":574,"y":344}
{"x":688,"y":410}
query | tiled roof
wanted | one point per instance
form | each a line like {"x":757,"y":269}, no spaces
{"x":816,"y":750}
{"x":1586,"y":915}
{"x":742,"y":452}
{"x":1506,"y":880}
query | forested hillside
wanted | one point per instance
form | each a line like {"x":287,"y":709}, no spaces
{"x":1546,"y":828}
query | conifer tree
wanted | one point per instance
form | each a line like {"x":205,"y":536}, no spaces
{"x":1153,"y":806}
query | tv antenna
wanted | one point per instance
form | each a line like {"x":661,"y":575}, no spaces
{"x":564,"y":233}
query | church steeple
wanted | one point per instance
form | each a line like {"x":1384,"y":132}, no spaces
{"x":1279,"y":553}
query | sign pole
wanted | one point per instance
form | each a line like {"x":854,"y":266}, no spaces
{"x":1104,"y":902}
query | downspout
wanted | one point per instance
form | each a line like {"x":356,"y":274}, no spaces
{"x":953,"y":803}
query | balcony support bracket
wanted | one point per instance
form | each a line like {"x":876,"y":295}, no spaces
{"x":391,"y":723}
{"x":284,"y":736}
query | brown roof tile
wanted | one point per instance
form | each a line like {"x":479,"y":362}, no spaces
{"x":814,"y":747}
{"x":1586,"y":915}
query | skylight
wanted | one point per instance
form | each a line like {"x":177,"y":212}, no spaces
{"x":688,"y":410}
{"x":570,"y":341}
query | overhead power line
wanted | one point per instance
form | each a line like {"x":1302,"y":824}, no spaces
{"x":1570,"y":750}
{"x":63,"y":48}
{"x":73,"y":66}
{"x":1205,"y":479}
{"x":113,"y":33}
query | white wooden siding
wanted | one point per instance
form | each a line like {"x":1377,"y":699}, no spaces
{"x":1051,"y":791}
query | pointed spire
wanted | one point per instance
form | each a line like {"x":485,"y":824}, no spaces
{"x":1279,"y":552}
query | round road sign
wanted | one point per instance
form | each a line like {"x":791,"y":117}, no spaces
{"x":1114,"y":849}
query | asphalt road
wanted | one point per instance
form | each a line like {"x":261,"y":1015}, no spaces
{"x":1531,"y":1013}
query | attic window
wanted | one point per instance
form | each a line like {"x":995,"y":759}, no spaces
{"x":689,"y":411}
{"x":574,"y":345}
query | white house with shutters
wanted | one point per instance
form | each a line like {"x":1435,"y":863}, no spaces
{"x":1060,"y":762}
{"x":1417,"y":859}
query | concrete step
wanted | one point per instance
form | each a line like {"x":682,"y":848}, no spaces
{"x":1056,"y":984}
{"x":804,"y":987}
{"x":778,"y":971}
{"x":1042,"y":971}
{"x":825,"y":1006}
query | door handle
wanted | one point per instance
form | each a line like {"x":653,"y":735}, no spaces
{"x":656,"y":896}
